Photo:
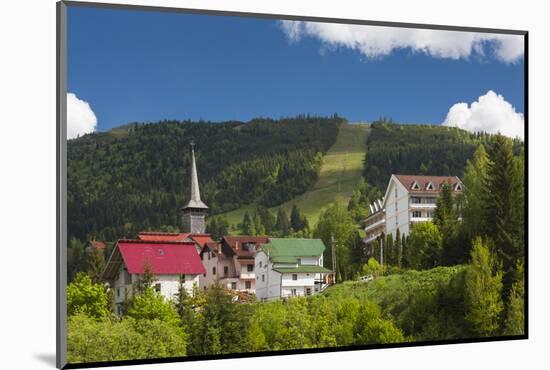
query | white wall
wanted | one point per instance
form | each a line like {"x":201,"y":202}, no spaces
{"x":397,"y":208}
{"x":270,"y":288}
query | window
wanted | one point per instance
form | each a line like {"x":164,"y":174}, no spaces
{"x":247,"y":284}
{"x":118,"y":292}
{"x":415,"y":200}
{"x":213,"y":271}
{"x":430,"y":200}
{"x":118,"y":309}
{"x":299,"y":261}
{"x":417,"y":214}
{"x":209,"y":255}
{"x":458,"y":187}
{"x":308,"y":291}
{"x":263,"y":278}
{"x":260,"y":264}
{"x":183,"y":278}
{"x":225,"y":270}
{"x":204,"y":274}
{"x":234,"y":285}
{"x":430,"y":186}
{"x":249,"y":268}
{"x":160,"y":252}
{"x":294,"y":276}
{"x":431,"y":214}
{"x":414,"y":186}
{"x":157,"y":288}
{"x":293,"y":292}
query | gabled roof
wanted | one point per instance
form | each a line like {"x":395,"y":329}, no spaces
{"x":156,"y":236}
{"x":285,"y":249}
{"x":166,"y":258}
{"x":201,"y":239}
{"x":424,"y":181}
{"x":233,"y":245}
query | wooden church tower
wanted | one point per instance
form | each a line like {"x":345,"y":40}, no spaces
{"x":194,"y":212}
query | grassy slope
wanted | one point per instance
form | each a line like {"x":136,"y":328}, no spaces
{"x":339,"y":176}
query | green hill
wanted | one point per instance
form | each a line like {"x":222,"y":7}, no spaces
{"x":339,"y":175}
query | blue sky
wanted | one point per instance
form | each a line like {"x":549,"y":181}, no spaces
{"x":146,"y":66}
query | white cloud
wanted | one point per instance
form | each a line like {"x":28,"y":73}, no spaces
{"x":377,"y":41}
{"x":490,"y":113}
{"x":81,"y":118}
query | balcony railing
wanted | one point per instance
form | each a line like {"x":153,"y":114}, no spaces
{"x":248,"y":275}
{"x":371,"y":238}
{"x":420,"y":219}
{"x":376,"y":224}
{"x":423,"y":205}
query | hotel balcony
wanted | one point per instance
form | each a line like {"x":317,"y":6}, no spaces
{"x":375,"y":225}
{"x":422,"y":205}
{"x":371,"y":238}
{"x":420,"y":219}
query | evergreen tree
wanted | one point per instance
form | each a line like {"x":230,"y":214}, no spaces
{"x":96,"y":264}
{"x":503,"y":208}
{"x":258,"y":226}
{"x":483,"y":289}
{"x":183,"y":305}
{"x":404,"y":251}
{"x":295,"y":219}
{"x":398,"y":247}
{"x":146,"y":279}
{"x":474,"y":180}
{"x":424,"y":246}
{"x":267,"y":219}
{"x":514,"y":323}
{"x":282,"y":225}
{"x":247,"y":226}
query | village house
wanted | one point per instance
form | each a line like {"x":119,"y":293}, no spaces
{"x":408,"y":199}
{"x":290,"y":267}
{"x":231,"y":262}
{"x":168,"y":260}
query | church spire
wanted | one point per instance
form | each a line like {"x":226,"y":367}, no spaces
{"x":195,"y":200}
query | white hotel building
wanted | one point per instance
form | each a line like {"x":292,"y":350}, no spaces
{"x":409,"y":199}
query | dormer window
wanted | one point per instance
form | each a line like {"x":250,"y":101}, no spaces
{"x":160,"y":252}
{"x":415,"y":186}
{"x":458,"y":187}
{"x":430,"y":186}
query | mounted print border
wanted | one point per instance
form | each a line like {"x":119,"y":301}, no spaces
{"x":225,"y":251}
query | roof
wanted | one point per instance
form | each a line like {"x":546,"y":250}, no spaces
{"x":408,"y":180}
{"x":155,"y":236}
{"x":234,"y":244}
{"x":288,"y":248}
{"x":166,"y":258}
{"x":302,"y":268}
{"x":201,"y":239}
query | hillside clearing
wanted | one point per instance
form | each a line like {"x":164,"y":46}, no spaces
{"x":339,"y":176}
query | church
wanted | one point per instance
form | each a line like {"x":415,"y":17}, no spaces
{"x":193,"y":257}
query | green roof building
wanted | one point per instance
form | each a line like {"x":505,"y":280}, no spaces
{"x":291,"y":267}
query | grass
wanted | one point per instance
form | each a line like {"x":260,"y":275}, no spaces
{"x":339,"y":176}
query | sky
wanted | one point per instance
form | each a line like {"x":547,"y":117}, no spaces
{"x":135,"y":66}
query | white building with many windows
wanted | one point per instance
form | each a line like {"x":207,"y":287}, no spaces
{"x":408,"y":199}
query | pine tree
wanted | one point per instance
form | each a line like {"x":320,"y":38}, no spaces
{"x":483,"y":289}
{"x":295,"y":219}
{"x":398,"y":248}
{"x":474,"y":180}
{"x":282,"y":225}
{"x":446,"y":219}
{"x":147,"y":278}
{"x":183,"y":304}
{"x":247,"y":226}
{"x":503,"y":207}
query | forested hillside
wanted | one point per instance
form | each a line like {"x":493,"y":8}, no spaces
{"x":419,"y":150}
{"x":136,"y":177}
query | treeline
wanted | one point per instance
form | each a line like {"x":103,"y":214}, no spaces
{"x":420,"y":150}
{"x":211,"y":322}
{"x":485,"y":225}
{"x":137,"y":177}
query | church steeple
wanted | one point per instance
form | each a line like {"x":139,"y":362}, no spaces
{"x":194,"y":212}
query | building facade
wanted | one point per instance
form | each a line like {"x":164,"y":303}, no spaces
{"x":409,"y":199}
{"x":169,"y":262}
{"x":290,"y":267}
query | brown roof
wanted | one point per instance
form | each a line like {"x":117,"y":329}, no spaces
{"x":408,"y":180}
{"x":234,"y":244}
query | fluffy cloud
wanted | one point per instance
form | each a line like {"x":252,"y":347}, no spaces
{"x":81,"y":118}
{"x":377,"y":41}
{"x":490,"y":113}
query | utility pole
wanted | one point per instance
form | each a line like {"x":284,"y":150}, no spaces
{"x":333,"y":258}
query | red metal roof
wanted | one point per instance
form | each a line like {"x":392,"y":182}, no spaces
{"x":159,"y":236}
{"x":166,"y":258}
{"x":423,"y":181}
{"x":201,"y":239}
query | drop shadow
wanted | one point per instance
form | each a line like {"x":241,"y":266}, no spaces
{"x":47,"y":358}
